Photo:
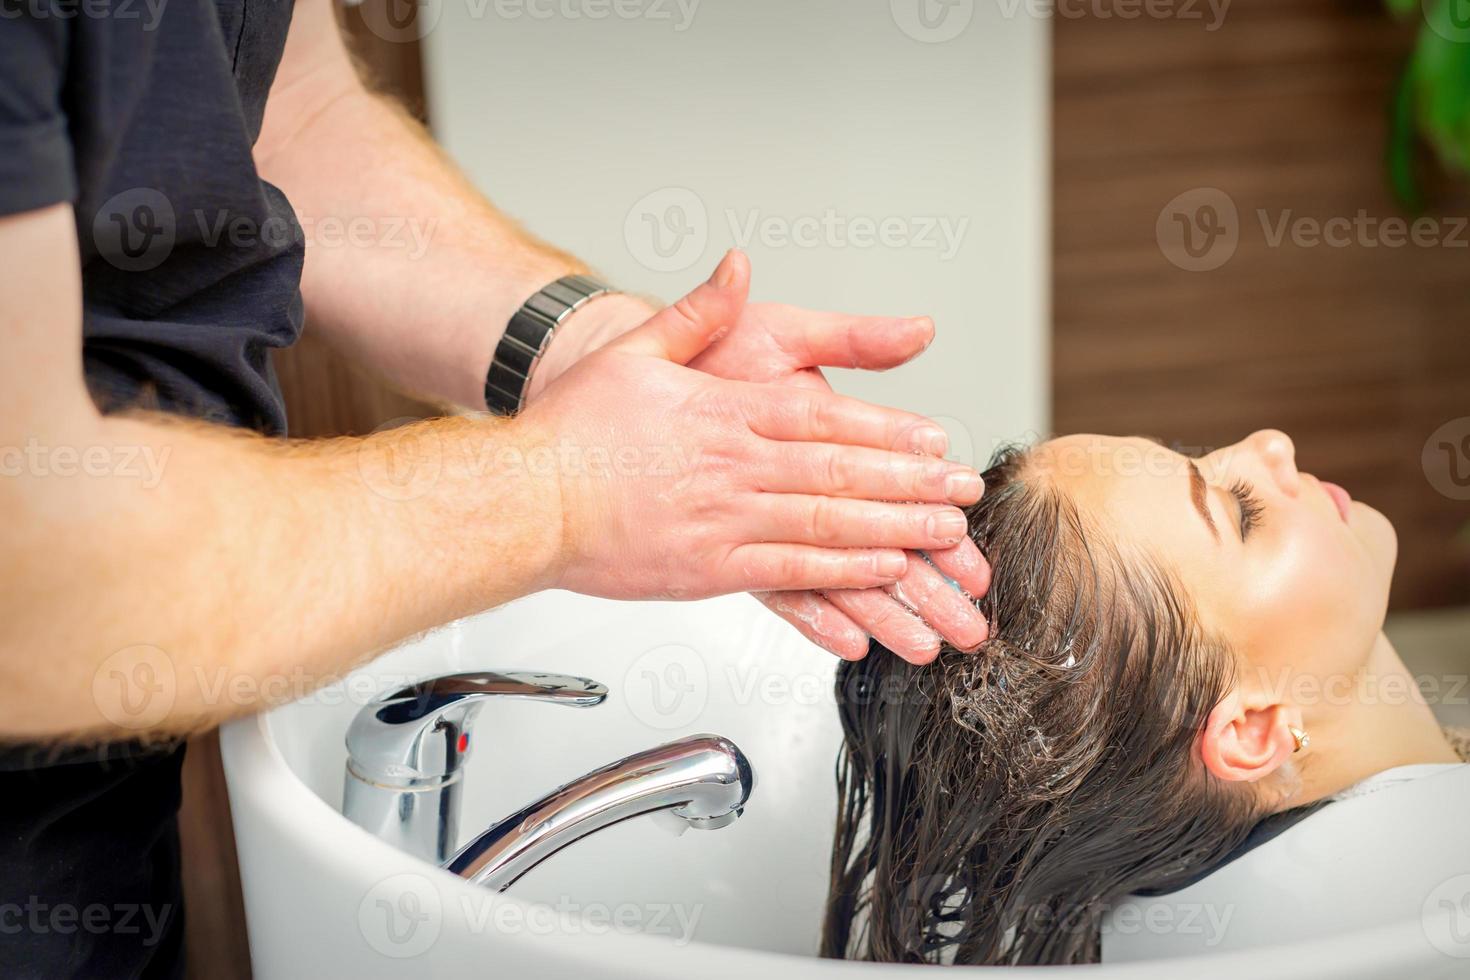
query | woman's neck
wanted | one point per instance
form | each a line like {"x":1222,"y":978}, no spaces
{"x":1384,"y":723}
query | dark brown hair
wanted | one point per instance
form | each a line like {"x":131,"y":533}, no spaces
{"x":992,"y":805}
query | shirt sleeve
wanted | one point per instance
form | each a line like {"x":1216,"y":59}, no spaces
{"x":36,"y":165}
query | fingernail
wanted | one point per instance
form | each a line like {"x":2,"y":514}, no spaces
{"x":892,"y":565}
{"x":725,"y":272}
{"x":982,"y":575}
{"x":964,"y":486}
{"x":948,"y":526}
{"x":929,"y":642}
{"x":976,"y":635}
{"x":933,"y":441}
{"x":925,"y":323}
{"x":926,"y":649}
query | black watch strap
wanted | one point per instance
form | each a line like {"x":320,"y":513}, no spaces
{"x":527,"y":335}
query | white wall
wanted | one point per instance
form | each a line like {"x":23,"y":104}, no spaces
{"x":694,"y":118}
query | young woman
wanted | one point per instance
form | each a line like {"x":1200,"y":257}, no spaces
{"x":1181,"y":649}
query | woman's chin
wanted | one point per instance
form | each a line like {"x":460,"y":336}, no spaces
{"x":1380,"y":542}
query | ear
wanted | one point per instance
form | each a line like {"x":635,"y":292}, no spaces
{"x":1244,"y":741}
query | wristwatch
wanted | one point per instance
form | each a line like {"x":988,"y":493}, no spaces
{"x":528,"y":334}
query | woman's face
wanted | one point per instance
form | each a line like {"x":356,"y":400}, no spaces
{"x":1288,"y":570}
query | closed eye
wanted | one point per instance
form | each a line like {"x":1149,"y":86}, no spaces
{"x":1249,"y":505}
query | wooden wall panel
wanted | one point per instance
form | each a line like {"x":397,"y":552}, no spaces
{"x":1358,"y":352}
{"x":215,"y":944}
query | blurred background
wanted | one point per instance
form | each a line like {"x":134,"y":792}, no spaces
{"x":1184,"y":218}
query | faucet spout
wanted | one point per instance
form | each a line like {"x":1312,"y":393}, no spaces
{"x":704,"y":780}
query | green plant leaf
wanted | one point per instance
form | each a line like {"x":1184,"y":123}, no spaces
{"x":1441,"y":77}
{"x":1403,"y":143}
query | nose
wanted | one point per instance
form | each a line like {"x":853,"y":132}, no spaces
{"x":1278,"y":454}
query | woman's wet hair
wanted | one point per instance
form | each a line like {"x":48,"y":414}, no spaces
{"x":992,"y":806}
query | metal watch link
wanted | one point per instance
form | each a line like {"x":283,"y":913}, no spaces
{"x":528,"y":334}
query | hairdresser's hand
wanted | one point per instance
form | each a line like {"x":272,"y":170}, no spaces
{"x":678,"y":484}
{"x":785,"y":345}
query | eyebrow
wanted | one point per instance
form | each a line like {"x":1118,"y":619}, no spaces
{"x":1198,"y":494}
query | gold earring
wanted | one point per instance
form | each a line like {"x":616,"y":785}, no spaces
{"x":1300,"y":737}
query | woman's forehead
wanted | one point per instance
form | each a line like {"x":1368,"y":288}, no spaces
{"x":1082,"y":460}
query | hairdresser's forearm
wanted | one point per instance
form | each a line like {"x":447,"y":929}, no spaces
{"x":254,"y":568}
{"x":423,"y":291}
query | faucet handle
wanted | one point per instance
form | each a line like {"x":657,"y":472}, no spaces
{"x":420,"y":734}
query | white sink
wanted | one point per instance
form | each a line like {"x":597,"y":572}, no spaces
{"x":326,"y":899}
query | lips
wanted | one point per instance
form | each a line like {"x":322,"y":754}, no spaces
{"x":1340,"y":497}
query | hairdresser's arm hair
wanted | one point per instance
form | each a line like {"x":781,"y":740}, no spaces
{"x":244,"y":558}
{"x":422,"y":291}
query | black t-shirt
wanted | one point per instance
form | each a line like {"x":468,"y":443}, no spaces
{"x":141,"y":114}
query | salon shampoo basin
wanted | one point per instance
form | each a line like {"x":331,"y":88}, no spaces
{"x":1399,"y":854}
{"x":326,"y":898}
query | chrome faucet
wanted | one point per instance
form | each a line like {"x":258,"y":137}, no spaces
{"x":405,"y":759}
{"x":703,"y":780}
